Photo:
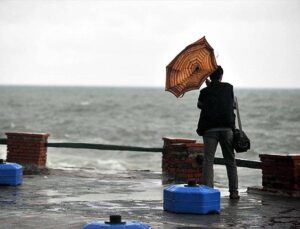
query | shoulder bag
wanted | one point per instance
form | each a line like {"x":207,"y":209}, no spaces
{"x":241,"y":143}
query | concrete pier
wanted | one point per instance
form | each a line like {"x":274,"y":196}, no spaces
{"x":72,"y":198}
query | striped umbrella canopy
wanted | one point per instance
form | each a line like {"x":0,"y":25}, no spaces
{"x":190,"y":68}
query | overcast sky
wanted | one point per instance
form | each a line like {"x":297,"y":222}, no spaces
{"x":129,"y":43}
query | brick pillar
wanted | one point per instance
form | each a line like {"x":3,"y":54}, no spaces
{"x":281,"y":173}
{"x":29,"y":150}
{"x":179,"y":163}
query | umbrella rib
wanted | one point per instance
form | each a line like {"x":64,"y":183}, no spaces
{"x":189,"y":69}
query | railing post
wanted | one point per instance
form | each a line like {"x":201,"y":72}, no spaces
{"x":281,"y":173}
{"x":29,"y":150}
{"x":179,"y":160}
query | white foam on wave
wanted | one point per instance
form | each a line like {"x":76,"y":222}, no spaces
{"x":85,"y":103}
{"x":2,"y":152}
{"x":62,"y":159}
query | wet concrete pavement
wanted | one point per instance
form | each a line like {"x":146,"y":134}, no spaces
{"x":72,"y":198}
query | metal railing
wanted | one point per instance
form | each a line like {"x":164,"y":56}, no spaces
{"x":75,"y":145}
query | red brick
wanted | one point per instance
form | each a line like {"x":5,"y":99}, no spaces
{"x":178,"y":160}
{"x":282,"y":186}
{"x":281,"y":171}
{"x":194,"y":145}
{"x":282,"y":156}
{"x":290,"y":172}
{"x":280,"y":160}
{"x":21,"y":134}
{"x":27,"y":148}
{"x":189,"y":160}
{"x":26,"y":154}
{"x":198,"y":174}
{"x":170,"y":140}
{"x":175,"y":148}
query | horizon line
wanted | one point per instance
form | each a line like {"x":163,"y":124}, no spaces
{"x":133,"y":86}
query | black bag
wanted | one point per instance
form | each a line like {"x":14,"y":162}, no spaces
{"x":241,"y":143}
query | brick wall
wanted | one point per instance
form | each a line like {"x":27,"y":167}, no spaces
{"x":179,"y":163}
{"x":27,"y":149}
{"x":281,"y":172}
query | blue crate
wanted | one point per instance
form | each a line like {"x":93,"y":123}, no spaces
{"x":116,"y":223}
{"x":195,"y":199}
{"x":10,"y":174}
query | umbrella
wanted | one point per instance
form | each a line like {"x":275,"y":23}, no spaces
{"x":190,"y":68}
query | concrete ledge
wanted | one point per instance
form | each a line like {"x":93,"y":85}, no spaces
{"x":72,"y":198}
{"x":276,"y":192}
{"x":31,"y":169}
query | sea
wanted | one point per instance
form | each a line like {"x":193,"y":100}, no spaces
{"x":142,"y":116}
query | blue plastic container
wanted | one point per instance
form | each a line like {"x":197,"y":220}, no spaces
{"x":116,"y":223}
{"x":191,"y":198}
{"x":10,"y":173}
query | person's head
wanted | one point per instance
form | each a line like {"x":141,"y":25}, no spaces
{"x":217,"y":75}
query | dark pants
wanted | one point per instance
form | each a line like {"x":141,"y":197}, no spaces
{"x":211,"y":140}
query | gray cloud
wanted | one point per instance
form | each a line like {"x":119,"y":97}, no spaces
{"x":130,"y":42}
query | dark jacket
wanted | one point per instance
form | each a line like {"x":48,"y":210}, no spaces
{"x":216,"y":102}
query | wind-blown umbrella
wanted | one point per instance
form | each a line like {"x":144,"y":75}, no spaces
{"x":190,"y":68}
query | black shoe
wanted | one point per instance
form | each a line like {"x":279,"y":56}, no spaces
{"x":234,"y":195}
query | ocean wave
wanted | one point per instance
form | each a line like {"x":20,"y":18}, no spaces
{"x":139,"y":117}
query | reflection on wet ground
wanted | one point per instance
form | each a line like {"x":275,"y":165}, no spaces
{"x":71,"y":198}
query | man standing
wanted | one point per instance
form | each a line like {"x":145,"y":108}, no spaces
{"x":216,"y":124}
